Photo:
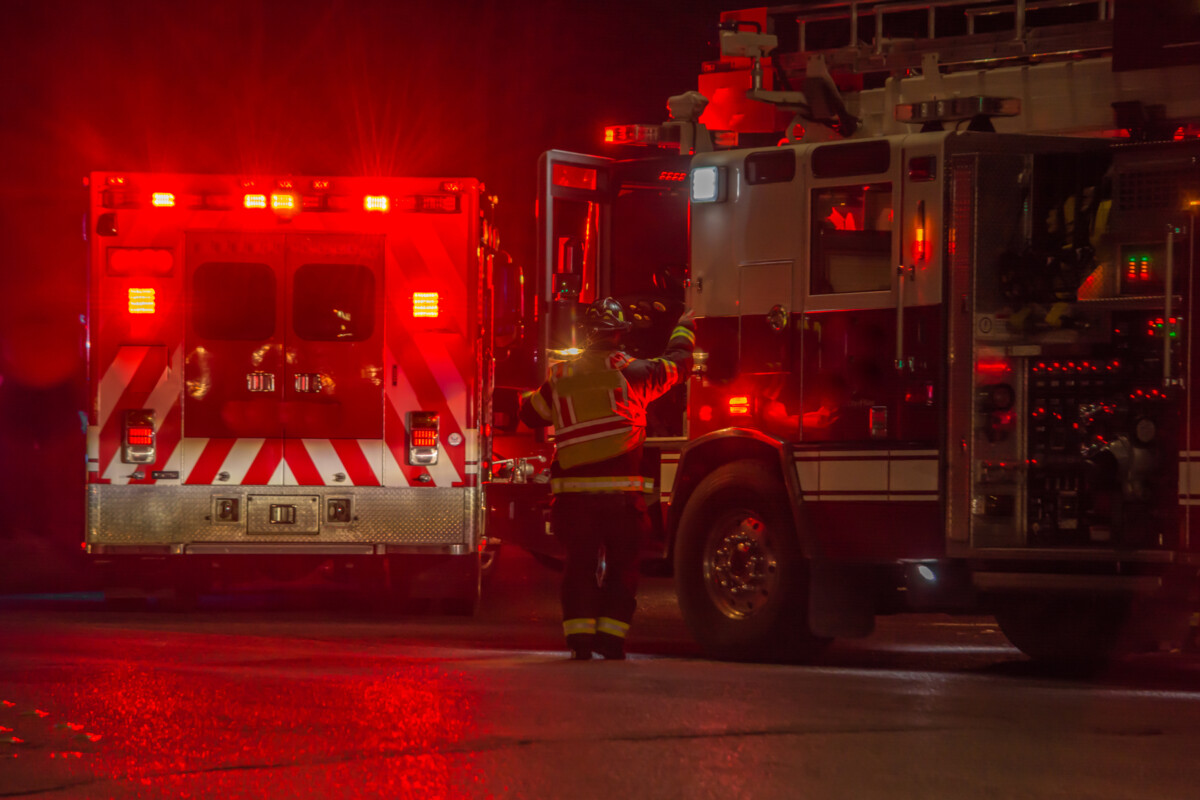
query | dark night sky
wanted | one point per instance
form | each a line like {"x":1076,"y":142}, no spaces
{"x":450,"y":87}
{"x":457,"y":87}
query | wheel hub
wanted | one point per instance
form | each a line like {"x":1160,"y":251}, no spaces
{"x":740,"y":566}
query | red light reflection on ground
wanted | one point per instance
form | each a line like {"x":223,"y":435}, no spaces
{"x":296,"y":725}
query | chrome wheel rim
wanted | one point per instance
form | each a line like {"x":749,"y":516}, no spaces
{"x":741,"y":568}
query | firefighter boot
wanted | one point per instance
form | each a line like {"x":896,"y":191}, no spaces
{"x":609,"y":647}
{"x":581,"y":645}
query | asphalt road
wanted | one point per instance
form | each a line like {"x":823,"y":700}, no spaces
{"x":274,"y":694}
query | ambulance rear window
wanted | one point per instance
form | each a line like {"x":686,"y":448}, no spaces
{"x":333,"y":302}
{"x":233,"y":300}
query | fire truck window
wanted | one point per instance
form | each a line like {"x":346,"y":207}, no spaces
{"x":333,"y":302}
{"x":851,"y":239}
{"x":233,"y":301}
{"x":772,"y":166}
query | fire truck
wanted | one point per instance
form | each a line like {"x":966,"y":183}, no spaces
{"x":289,"y":375}
{"x":943,"y":276}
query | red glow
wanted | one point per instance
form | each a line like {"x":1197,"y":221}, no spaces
{"x":842,"y":221}
{"x":139,"y":261}
{"x":919,"y":253}
{"x":425,"y":304}
{"x":739,"y":405}
{"x":705,"y":413}
{"x":255,"y":201}
{"x":573,"y":177}
{"x":142,"y":435}
{"x":424,"y":437}
{"x":162,"y":200}
{"x":994,"y":367}
{"x":375,"y":202}
{"x":141,"y":300}
{"x":283,"y":202}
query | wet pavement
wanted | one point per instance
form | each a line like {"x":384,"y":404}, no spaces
{"x":261,"y":697}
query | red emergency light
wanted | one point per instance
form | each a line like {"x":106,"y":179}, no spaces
{"x":573,"y":177}
{"x":425,"y":304}
{"x":422,"y":438}
{"x":141,"y":300}
{"x":137,"y":445}
{"x":376,"y":202}
{"x":739,"y":405}
{"x":162,"y":200}
{"x":283,"y":202}
{"x":429,"y":203}
{"x":632,"y":134}
{"x":255,"y":201}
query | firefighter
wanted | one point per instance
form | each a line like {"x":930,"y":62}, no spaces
{"x":597,"y":405}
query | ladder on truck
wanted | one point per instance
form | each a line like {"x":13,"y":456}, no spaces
{"x":944,"y":61}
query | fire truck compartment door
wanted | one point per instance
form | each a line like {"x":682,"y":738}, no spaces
{"x":764,"y":316}
{"x":332,"y":375}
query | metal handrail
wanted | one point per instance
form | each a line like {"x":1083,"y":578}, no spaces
{"x":853,"y":10}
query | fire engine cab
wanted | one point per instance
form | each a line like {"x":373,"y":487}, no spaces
{"x":947,"y":360}
{"x":289,"y":373}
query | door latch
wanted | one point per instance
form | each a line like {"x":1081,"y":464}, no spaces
{"x":260,"y":382}
{"x":308,"y":382}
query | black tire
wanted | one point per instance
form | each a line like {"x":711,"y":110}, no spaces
{"x":1079,"y":633}
{"x":548,"y":561}
{"x":741,"y":577}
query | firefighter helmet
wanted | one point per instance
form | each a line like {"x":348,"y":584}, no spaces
{"x":605,"y":317}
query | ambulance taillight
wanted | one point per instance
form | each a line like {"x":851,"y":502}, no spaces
{"x":425,"y":305}
{"x":137,"y":441}
{"x":422,"y":438}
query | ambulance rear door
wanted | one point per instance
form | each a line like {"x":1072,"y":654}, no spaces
{"x":233,"y":370}
{"x":331,"y":390}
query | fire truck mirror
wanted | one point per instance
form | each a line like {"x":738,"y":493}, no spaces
{"x":506,"y":407}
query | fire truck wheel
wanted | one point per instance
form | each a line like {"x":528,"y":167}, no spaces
{"x":740,"y":574}
{"x":1078,"y":633}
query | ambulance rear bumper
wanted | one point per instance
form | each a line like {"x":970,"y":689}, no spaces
{"x":169,"y":520}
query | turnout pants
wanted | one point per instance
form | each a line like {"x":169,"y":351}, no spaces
{"x":598,"y":606}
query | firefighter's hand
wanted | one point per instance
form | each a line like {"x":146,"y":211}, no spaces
{"x":688,"y":318}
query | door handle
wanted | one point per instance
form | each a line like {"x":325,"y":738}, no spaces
{"x":260,"y":382}
{"x":308,"y":382}
{"x":902,"y":273}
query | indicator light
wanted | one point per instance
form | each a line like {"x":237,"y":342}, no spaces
{"x":137,"y":446}
{"x":425,"y":304}
{"x":162,"y":200}
{"x":422,"y":438}
{"x":706,"y":184}
{"x":141,"y":300}
{"x":255,"y":201}
{"x":375,"y":202}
